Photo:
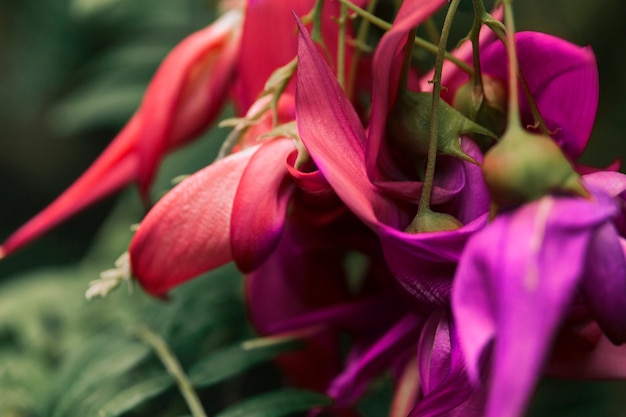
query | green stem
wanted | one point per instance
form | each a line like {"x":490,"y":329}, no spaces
{"x":173,"y":367}
{"x":341,"y":47}
{"x":362,"y":32}
{"x":513,"y":116}
{"x":424,"y":204}
{"x":406,"y":63}
{"x":477,"y":79}
{"x":422,"y":43}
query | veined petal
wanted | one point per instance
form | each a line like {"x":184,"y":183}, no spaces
{"x":188,"y":231}
{"x":261,"y":204}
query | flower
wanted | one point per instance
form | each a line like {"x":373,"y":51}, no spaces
{"x":519,"y":277}
{"x":184,"y":97}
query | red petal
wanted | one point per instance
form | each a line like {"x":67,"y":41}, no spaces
{"x":260,"y":204}
{"x":188,"y":231}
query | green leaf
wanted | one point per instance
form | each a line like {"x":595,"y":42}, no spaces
{"x":101,"y":359}
{"x":235,"y":359}
{"x":277,"y":404}
{"x":131,"y":397}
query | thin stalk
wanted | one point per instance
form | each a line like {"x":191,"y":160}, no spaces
{"x":341,"y":47}
{"x":424,"y":204}
{"x":513,"y":116}
{"x":173,"y":367}
{"x":422,"y":43}
{"x":364,"y":27}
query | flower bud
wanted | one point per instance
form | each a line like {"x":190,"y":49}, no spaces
{"x":487,"y":107}
{"x":524,"y":166}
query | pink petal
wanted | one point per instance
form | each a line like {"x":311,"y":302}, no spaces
{"x":188,"y":231}
{"x":330,"y":129}
{"x":261,"y":204}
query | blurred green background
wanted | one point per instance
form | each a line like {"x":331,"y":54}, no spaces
{"x":71,"y":73}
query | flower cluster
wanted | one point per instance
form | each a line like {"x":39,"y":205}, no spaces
{"x":437,"y":220}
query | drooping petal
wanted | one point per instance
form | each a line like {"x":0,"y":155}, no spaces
{"x":261,"y":204}
{"x":516,"y":294}
{"x":184,"y":97}
{"x":188,"y":231}
{"x":187,"y":92}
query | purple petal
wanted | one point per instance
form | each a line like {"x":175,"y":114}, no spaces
{"x":514,"y":283}
{"x":604,"y":361}
{"x":260,"y":204}
{"x":445,"y":385}
{"x":351,"y":383}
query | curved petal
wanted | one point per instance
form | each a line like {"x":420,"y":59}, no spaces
{"x":260,"y":204}
{"x":604,"y":361}
{"x":188,"y":231}
{"x":513,"y":285}
{"x":334,"y":137}
{"x":562,"y":78}
{"x":183,"y":98}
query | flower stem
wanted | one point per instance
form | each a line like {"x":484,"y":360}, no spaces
{"x":172,"y":365}
{"x":513,"y":116}
{"x":422,"y":43}
{"x":424,"y":204}
{"x":341,"y":47}
{"x":364,"y":27}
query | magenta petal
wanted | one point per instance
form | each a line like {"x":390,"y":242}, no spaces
{"x":513,"y":286}
{"x":604,"y":283}
{"x":348,"y":386}
{"x":188,"y":231}
{"x":445,"y":386}
{"x":562,"y":78}
{"x":260,"y":204}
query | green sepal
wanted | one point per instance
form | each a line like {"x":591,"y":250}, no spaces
{"x":427,"y":221}
{"x":408,"y":127}
{"x":524,"y":167}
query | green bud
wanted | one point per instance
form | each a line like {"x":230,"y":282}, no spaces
{"x":408,"y":127}
{"x":486,"y":106}
{"x":524,"y":166}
